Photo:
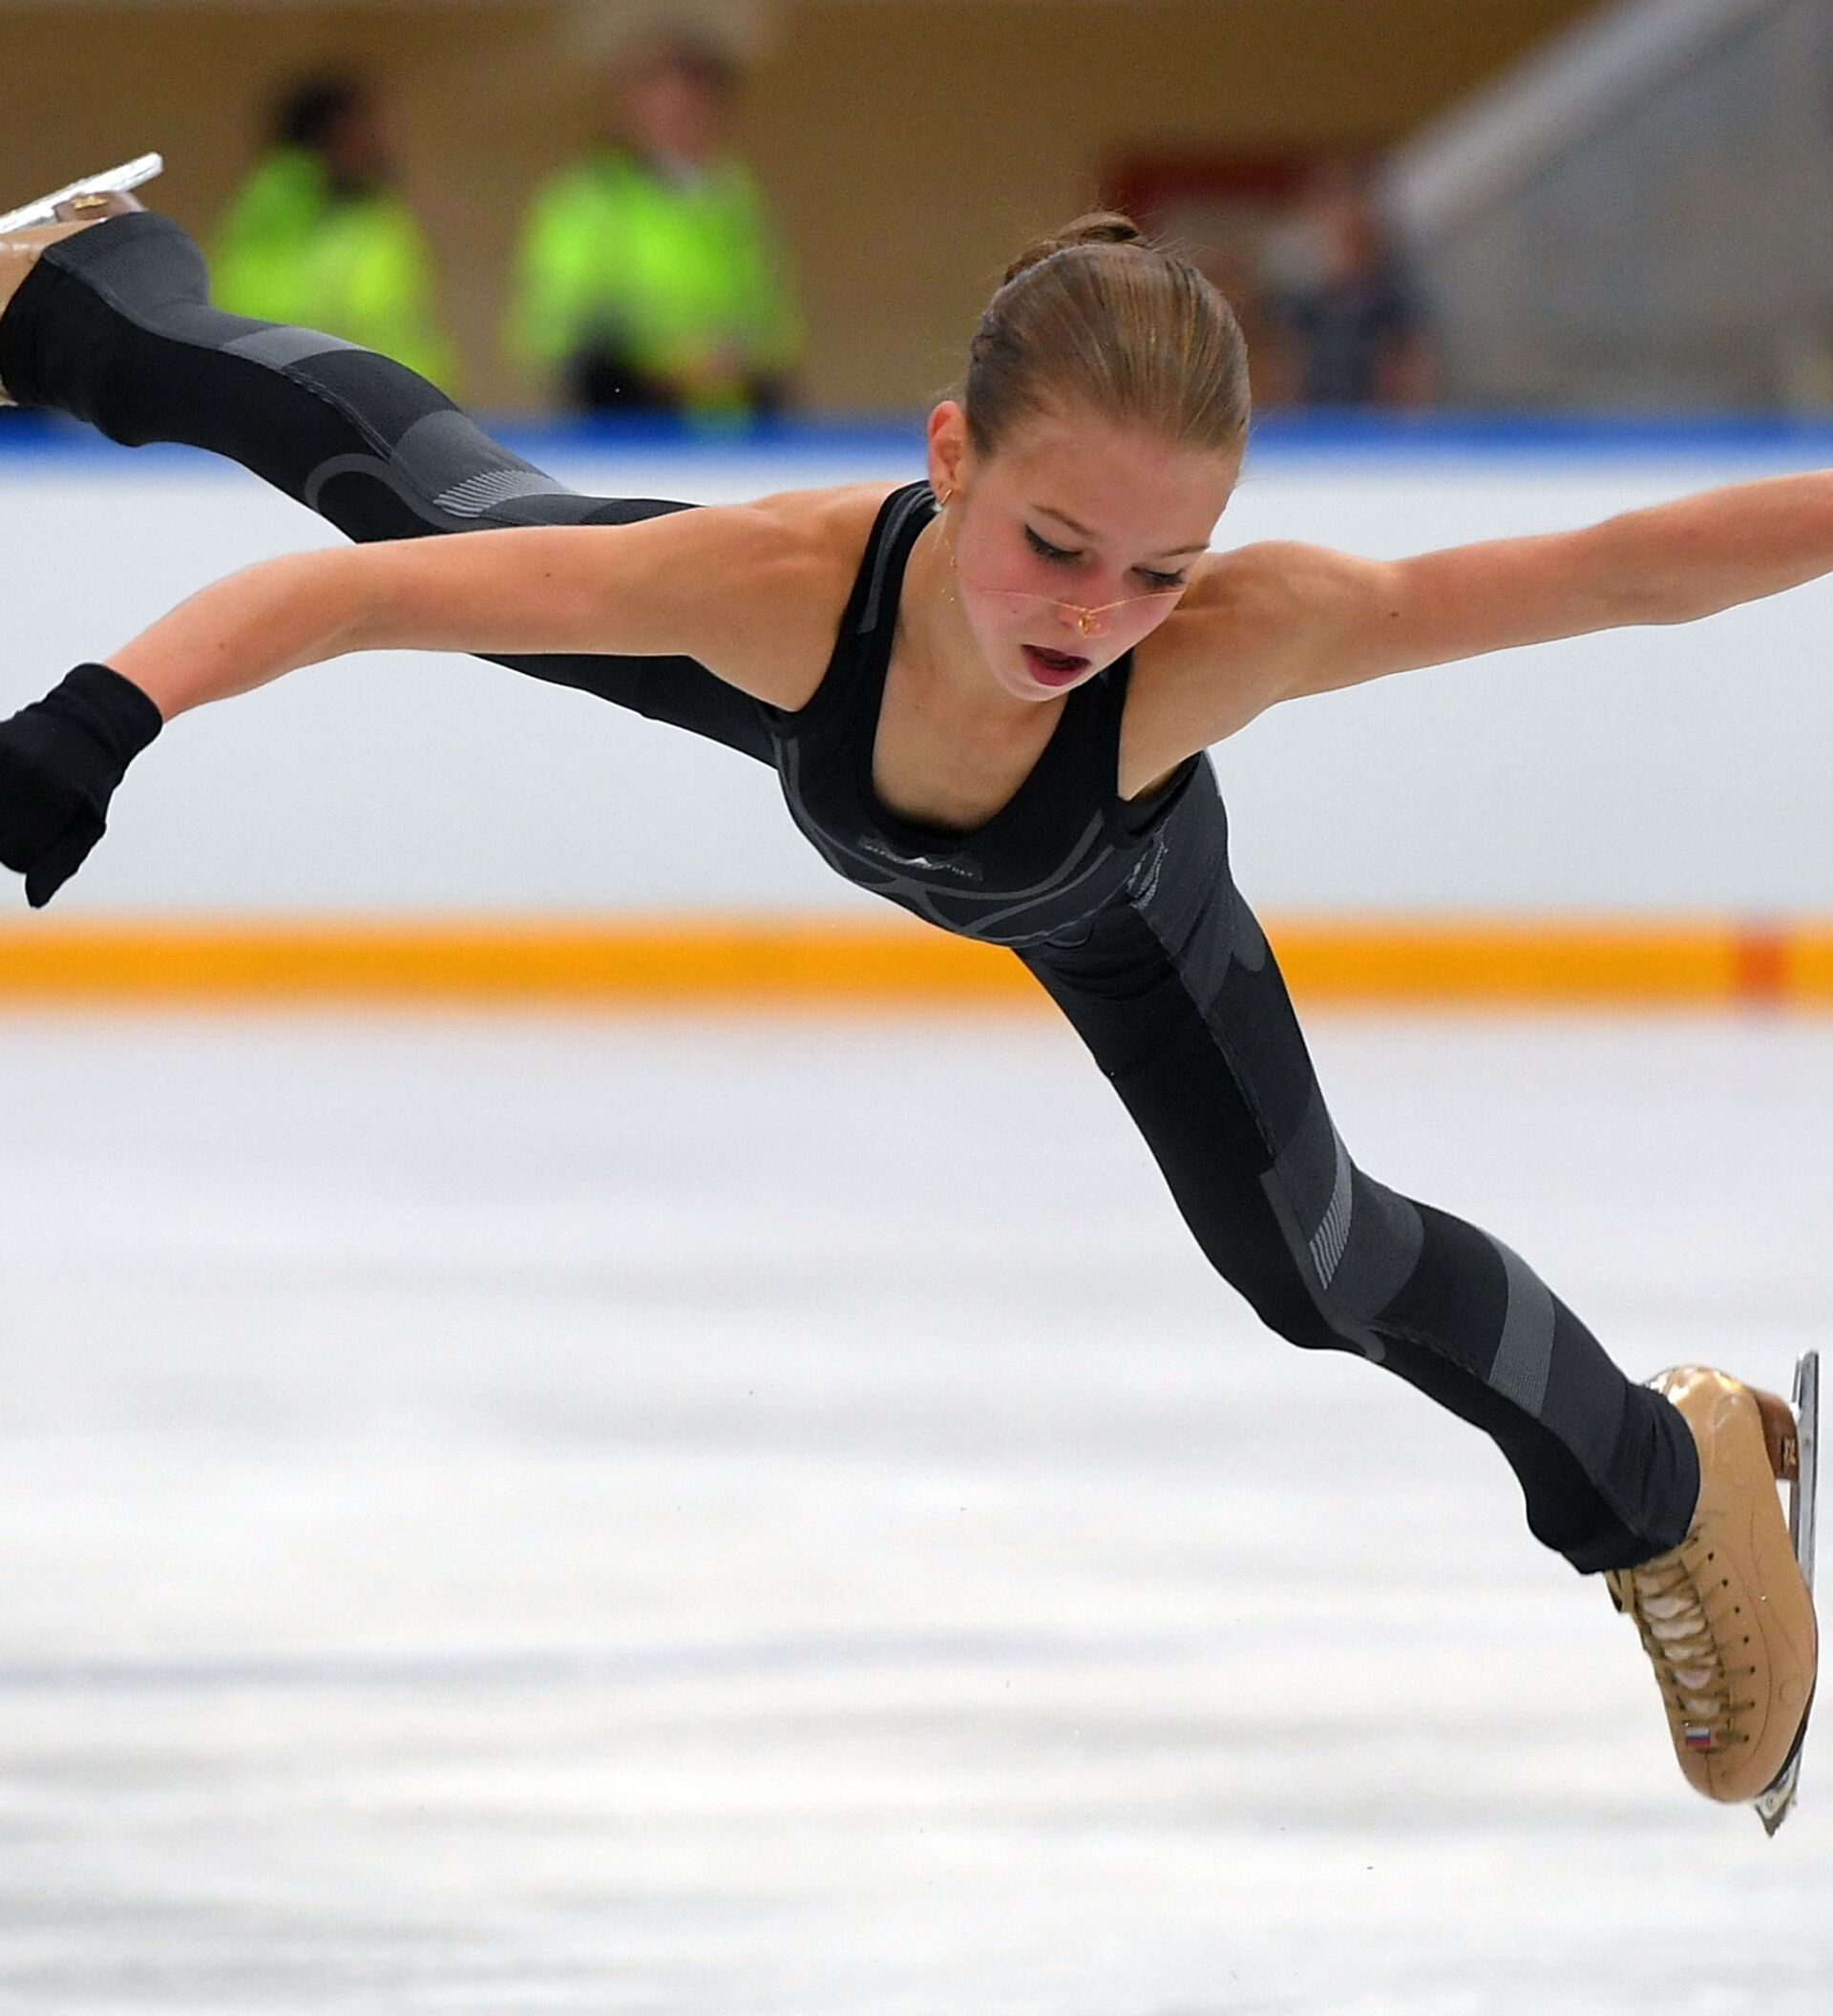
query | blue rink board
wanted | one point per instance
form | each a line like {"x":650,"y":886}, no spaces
{"x":1366,"y":440}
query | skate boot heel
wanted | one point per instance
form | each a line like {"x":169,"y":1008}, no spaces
{"x":1780,"y":1436}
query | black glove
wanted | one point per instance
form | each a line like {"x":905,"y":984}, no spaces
{"x":61,"y":759}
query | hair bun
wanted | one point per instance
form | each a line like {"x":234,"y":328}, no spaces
{"x":1128,"y":331}
{"x":1098,"y":227}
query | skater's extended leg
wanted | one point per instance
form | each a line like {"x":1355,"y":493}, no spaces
{"x":111,"y":325}
{"x":1668,"y":1487}
{"x":1183,"y":1006}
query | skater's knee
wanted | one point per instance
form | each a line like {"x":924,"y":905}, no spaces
{"x":1320,"y":1279}
{"x":1291,"y":1307}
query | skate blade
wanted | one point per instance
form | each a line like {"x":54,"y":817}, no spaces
{"x":1807,"y":1437}
{"x":1774,"y":1806}
{"x":130,"y":174}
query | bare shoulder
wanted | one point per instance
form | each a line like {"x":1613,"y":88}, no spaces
{"x":798,"y":554}
{"x":844,"y":512}
{"x":1236,"y":643}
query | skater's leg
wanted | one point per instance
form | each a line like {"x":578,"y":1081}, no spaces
{"x":113,"y":324}
{"x":1182,"y":1004}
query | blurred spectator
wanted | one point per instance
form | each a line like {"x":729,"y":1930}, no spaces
{"x":1804,"y":367}
{"x":1344,"y":302}
{"x":649,"y":279}
{"x":1236,"y":272}
{"x":318,"y":235}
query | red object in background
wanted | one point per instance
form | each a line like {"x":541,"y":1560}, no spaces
{"x":1145,"y":186}
{"x":1215,"y":209}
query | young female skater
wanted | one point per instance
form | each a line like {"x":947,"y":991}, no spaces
{"x":988,"y":696}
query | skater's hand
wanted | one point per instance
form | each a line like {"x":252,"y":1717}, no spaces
{"x":61,"y":759}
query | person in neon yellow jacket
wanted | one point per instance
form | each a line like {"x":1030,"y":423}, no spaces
{"x":318,"y":235}
{"x":649,"y":277}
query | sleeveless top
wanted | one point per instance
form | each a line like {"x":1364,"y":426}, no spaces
{"x":1066,"y":845}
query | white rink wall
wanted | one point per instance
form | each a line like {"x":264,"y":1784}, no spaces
{"x":1659,"y":771}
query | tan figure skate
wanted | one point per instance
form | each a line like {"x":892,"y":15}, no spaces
{"x":26,"y":232}
{"x":1727,"y":1617}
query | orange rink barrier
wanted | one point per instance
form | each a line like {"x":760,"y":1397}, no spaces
{"x":842,"y":963}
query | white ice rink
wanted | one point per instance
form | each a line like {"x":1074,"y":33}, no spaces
{"x":708,"y":1519}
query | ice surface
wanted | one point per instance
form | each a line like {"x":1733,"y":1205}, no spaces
{"x":778,"y":1520}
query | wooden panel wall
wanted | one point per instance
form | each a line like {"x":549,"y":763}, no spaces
{"x":911,"y":145}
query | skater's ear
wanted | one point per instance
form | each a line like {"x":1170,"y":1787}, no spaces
{"x":948,"y":449}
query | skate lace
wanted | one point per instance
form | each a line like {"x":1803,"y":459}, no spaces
{"x":1679,"y":1607}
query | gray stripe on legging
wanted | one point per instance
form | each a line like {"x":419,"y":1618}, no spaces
{"x":1386,"y":1239}
{"x":1312,"y":1166}
{"x":480,"y":495}
{"x":1328,"y":1241}
{"x":443,"y":450}
{"x":383,"y":471}
{"x":443,"y":471}
{"x":284,"y":346}
{"x":1525,"y":1357}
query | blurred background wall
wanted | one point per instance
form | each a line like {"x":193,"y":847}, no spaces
{"x":1637,"y":213}
{"x":1619,"y":204}
{"x":910,"y":147}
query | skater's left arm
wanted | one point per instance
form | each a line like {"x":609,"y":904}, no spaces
{"x":1317,"y":621}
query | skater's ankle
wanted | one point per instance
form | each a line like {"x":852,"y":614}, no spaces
{"x":21,"y":250}
{"x":22,"y":247}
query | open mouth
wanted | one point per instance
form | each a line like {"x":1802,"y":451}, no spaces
{"x":1054,"y":668}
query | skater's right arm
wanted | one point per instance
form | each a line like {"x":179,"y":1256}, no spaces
{"x":743,"y":589}
{"x":753,"y":592}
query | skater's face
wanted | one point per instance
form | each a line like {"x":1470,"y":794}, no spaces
{"x":1073,"y":541}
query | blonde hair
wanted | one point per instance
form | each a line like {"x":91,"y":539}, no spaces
{"x":1096,"y":316}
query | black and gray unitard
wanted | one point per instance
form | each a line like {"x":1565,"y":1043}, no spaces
{"x":1126,"y":912}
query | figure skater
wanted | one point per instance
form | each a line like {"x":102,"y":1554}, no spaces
{"x":988,"y":696}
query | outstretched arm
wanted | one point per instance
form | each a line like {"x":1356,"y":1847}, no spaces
{"x":735,"y":588}
{"x":712,"y":584}
{"x":1346,"y":621}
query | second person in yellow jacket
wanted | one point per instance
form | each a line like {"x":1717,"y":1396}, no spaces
{"x":649,"y":277}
